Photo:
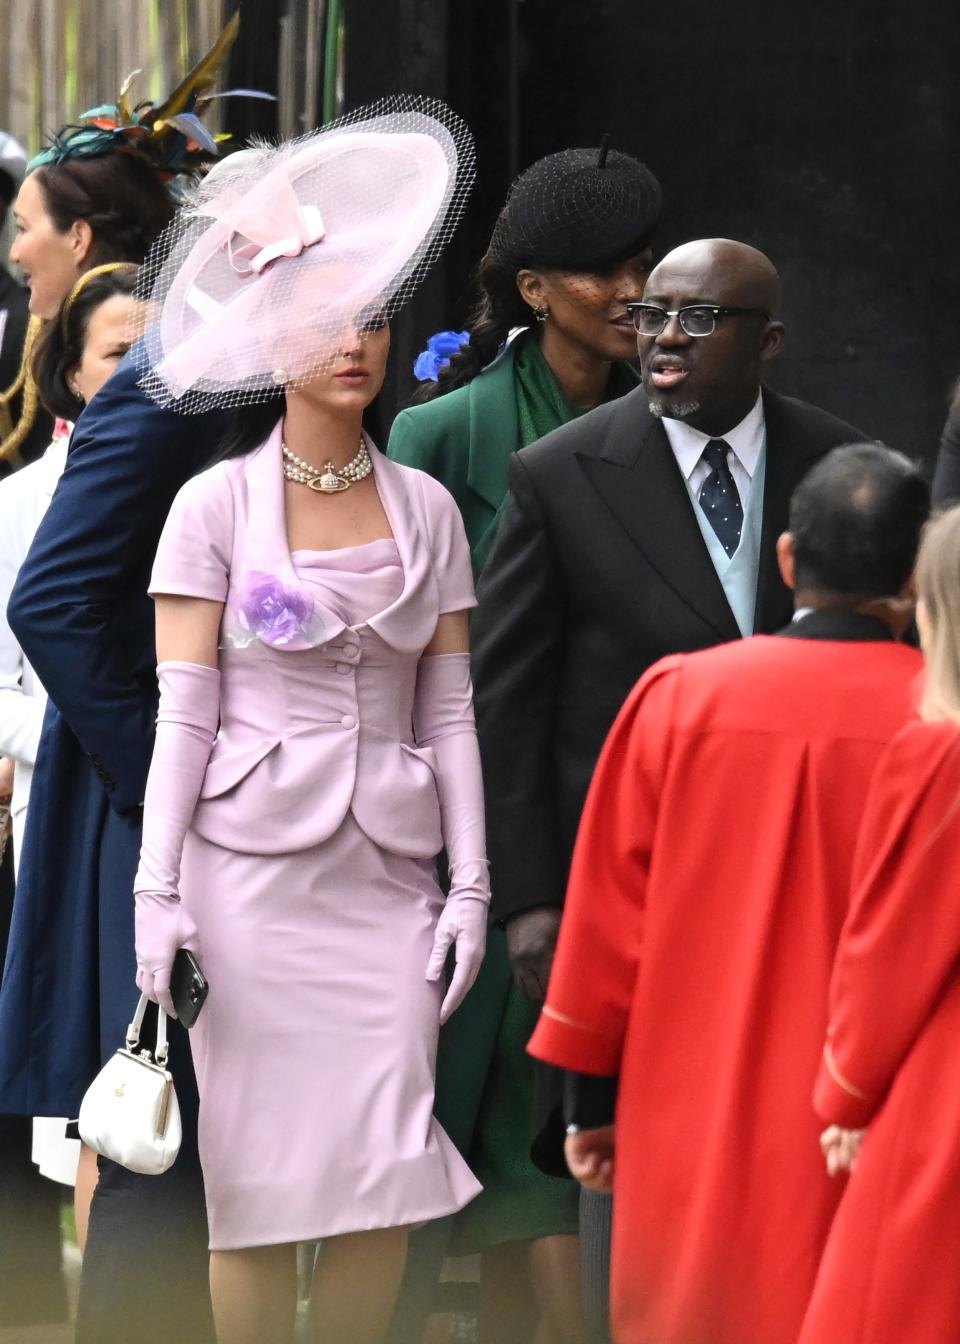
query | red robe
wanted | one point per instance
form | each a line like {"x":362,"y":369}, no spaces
{"x":891,"y":1270}
{"x":708,"y":888}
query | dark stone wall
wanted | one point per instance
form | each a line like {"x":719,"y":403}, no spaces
{"x":827,"y":135}
{"x":254,"y":60}
{"x":401,"y":48}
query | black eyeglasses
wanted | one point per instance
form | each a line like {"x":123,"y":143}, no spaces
{"x":697,"y":319}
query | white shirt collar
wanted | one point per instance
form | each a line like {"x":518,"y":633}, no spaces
{"x":745,"y":439}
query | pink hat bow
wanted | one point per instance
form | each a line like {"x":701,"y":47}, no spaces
{"x":275,"y":226}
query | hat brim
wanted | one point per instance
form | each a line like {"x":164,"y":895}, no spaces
{"x":384,"y":197}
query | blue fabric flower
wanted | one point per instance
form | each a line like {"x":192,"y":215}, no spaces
{"x":440,"y":348}
{"x":273,"y":613}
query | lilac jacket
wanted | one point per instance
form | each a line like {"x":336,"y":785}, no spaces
{"x":316,"y":717}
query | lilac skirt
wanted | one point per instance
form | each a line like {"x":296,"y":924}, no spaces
{"x":315,"y":1051}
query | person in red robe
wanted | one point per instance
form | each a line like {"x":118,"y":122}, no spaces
{"x":889,"y":1272}
{"x":709,"y":884}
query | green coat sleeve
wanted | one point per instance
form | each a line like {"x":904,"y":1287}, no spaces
{"x":412,"y":444}
{"x":435,"y":439}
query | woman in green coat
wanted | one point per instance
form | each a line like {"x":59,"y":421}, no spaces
{"x":570,"y":249}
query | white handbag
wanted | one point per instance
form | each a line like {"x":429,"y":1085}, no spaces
{"x":130,"y":1112}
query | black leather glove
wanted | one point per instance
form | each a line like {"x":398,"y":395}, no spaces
{"x":531,"y":943}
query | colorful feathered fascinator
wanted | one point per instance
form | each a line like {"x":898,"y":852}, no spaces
{"x":171,"y":134}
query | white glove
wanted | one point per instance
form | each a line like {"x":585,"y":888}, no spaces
{"x":443,"y":720}
{"x":463,"y":924}
{"x":841,"y":1148}
{"x":162,"y":927}
{"x":187,"y":723}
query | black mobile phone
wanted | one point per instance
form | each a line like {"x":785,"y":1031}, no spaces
{"x":188,"y":987}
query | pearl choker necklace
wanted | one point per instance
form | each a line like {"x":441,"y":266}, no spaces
{"x":328,"y":479}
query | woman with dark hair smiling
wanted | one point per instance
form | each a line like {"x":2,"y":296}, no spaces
{"x":89,"y":200}
{"x":80,"y":213}
{"x":550,"y":337}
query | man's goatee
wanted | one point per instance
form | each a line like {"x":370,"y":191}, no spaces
{"x":678,"y":410}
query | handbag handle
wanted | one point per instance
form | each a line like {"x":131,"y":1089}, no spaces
{"x":133,"y":1031}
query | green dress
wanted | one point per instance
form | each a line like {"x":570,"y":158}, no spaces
{"x":484,"y":1076}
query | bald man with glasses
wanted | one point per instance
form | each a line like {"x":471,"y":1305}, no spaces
{"x":644,"y":528}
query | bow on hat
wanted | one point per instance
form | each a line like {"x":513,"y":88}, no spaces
{"x":275,"y":226}
{"x":271,"y":222}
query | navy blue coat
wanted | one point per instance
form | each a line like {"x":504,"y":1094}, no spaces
{"x":80,"y":612}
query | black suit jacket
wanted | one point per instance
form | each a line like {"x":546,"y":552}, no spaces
{"x":598,"y":570}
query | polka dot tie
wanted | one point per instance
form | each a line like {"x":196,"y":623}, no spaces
{"x":719,"y":497}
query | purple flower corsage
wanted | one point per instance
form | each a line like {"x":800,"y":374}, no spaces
{"x":272,"y":613}
{"x":440,"y":349}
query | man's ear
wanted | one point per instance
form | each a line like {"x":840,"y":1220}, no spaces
{"x":771,"y":343}
{"x":785,"y":559}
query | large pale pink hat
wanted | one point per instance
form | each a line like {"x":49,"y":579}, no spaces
{"x":284,"y":252}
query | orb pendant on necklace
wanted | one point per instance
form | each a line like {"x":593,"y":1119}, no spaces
{"x":328,"y":482}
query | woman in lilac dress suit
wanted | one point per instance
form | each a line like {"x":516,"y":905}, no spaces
{"x":315,"y":743}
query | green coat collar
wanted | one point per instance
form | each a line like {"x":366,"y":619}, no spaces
{"x":494,"y":427}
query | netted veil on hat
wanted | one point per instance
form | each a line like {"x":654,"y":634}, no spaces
{"x":578,"y":210}
{"x":283,"y":253}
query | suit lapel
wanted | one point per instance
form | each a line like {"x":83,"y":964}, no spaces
{"x":635,"y":472}
{"x":407,"y":624}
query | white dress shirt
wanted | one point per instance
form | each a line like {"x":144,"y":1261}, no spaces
{"x":745,"y":442}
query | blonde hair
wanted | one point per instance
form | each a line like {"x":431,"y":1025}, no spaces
{"x":80,"y":286}
{"x":938,"y":584}
{"x":13,"y":434}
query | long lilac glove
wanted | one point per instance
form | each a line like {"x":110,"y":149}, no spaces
{"x":187,"y":722}
{"x":443,"y":720}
